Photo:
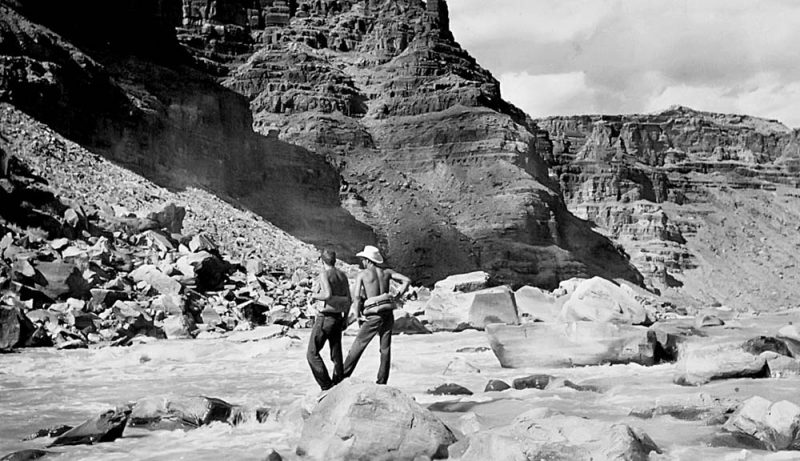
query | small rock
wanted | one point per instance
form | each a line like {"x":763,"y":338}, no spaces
{"x":449,"y":389}
{"x":53,"y":431}
{"x":532,"y":382}
{"x":160,"y":282}
{"x":170,"y":217}
{"x":15,"y":328}
{"x":496,"y":385}
{"x":179,"y":327}
{"x":409,"y":325}
{"x":761,"y":344}
{"x":465,"y":283}
{"x":25,"y":455}
{"x":707,"y":320}
{"x":105,"y":427}
{"x":202,"y":242}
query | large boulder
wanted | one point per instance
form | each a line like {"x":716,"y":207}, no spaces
{"x":568,"y":344}
{"x":365,"y":421}
{"x":454,"y":311}
{"x":776,"y":426}
{"x":180,"y":412}
{"x":699,"y":362}
{"x":536,"y":304}
{"x":104,"y":427}
{"x":493,"y":307}
{"x":465,"y":283}
{"x":600,"y":300}
{"x":535,"y":435}
{"x":15,"y":328}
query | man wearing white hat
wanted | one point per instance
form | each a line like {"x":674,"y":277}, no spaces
{"x":373,"y":283}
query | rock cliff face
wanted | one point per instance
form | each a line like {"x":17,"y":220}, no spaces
{"x":449,"y":175}
{"x":143,"y":106}
{"x":367,"y":104}
{"x":687,"y":194}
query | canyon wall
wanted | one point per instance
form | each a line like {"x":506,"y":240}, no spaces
{"x":144,"y":106}
{"x":369,"y":118}
{"x":706,"y":204}
{"x":451,"y":177}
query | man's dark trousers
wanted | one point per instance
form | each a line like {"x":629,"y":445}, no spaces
{"x":327,"y":327}
{"x":374,"y":324}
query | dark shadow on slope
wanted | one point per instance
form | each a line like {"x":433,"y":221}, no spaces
{"x":600,"y":255}
{"x":141,"y":105}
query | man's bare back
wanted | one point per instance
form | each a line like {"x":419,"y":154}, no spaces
{"x":374,"y":280}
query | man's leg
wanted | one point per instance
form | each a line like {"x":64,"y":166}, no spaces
{"x":365,"y":335}
{"x":335,"y":345}
{"x":315,"y":344}
{"x":385,"y":330}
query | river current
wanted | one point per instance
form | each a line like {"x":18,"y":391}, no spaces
{"x":46,"y":387}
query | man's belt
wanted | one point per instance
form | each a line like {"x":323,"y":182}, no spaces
{"x":378,"y":301}
{"x":378,"y":304}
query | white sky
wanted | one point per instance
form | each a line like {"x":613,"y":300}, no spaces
{"x":563,"y":57}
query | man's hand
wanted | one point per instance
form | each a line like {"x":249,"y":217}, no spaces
{"x":351,"y":317}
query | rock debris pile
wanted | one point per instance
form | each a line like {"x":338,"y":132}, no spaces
{"x":74,"y":274}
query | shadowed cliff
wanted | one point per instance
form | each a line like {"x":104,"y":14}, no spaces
{"x":129,"y":92}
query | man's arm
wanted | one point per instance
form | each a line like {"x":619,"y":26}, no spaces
{"x":357,"y":300}
{"x":404,"y":281}
{"x":324,"y":292}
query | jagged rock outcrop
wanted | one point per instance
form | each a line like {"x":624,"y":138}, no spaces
{"x":683,"y":192}
{"x":147,"y":109}
{"x":449,"y":175}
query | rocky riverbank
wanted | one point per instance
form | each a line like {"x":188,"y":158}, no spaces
{"x":94,"y":254}
{"x":200,"y":315}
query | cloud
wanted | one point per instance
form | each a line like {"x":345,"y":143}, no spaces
{"x":763,"y":96}
{"x":633,"y":54}
{"x":547,"y":94}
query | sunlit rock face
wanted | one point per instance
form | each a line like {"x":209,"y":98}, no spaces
{"x":449,"y":175}
{"x":370,"y":105}
{"x":685,"y":192}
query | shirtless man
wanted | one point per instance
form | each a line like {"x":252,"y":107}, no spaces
{"x":334,"y":294}
{"x":372,"y":283}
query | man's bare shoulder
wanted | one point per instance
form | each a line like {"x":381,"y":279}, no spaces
{"x":332,"y":273}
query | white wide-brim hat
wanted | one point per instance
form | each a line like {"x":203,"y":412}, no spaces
{"x":371,"y":253}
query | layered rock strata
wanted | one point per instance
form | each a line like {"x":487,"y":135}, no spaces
{"x":446,"y":172}
{"x":449,"y":175}
{"x":148,"y":109}
{"x":681,"y":191}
